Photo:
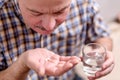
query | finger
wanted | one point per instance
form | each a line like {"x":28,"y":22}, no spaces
{"x":67,"y":58}
{"x":72,"y":61}
{"x":67,"y":66}
{"x":109,"y":60}
{"x":105,"y":72}
{"x":91,"y":78}
{"x":61,"y":64}
{"x":63,"y":68}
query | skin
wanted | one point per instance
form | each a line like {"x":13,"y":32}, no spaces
{"x":42,"y":16}
{"x":44,"y":19}
{"x":37,"y":60}
{"x":47,"y":17}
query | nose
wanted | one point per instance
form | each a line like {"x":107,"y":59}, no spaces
{"x":48,"y":22}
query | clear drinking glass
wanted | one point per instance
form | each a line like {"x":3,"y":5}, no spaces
{"x":93,"y":58}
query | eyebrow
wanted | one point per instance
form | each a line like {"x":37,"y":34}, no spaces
{"x":53,"y":12}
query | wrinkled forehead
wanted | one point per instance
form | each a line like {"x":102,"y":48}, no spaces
{"x":46,"y":4}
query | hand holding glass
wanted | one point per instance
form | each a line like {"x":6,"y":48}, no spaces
{"x":93,"y":58}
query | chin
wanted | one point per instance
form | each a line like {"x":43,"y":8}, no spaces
{"x":44,"y":32}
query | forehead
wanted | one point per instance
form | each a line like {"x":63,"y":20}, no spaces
{"x":46,"y":4}
{"x":49,"y":2}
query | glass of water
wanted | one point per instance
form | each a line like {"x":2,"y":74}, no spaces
{"x":93,"y":58}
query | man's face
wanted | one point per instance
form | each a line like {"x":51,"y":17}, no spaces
{"x":44,"y":16}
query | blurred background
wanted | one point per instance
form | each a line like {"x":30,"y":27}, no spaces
{"x":110,"y":9}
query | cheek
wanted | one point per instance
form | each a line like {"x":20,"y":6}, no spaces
{"x":30,"y":20}
{"x":61,"y":18}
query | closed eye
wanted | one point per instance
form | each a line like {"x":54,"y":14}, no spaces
{"x":36,"y":14}
{"x":59,"y":13}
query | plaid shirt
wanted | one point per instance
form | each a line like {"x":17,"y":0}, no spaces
{"x":83,"y":25}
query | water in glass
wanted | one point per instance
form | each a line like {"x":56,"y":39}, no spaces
{"x":92,"y":63}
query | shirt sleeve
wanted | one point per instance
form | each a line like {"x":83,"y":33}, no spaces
{"x":96,"y":28}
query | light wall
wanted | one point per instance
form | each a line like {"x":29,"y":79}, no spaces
{"x":109,"y":8}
